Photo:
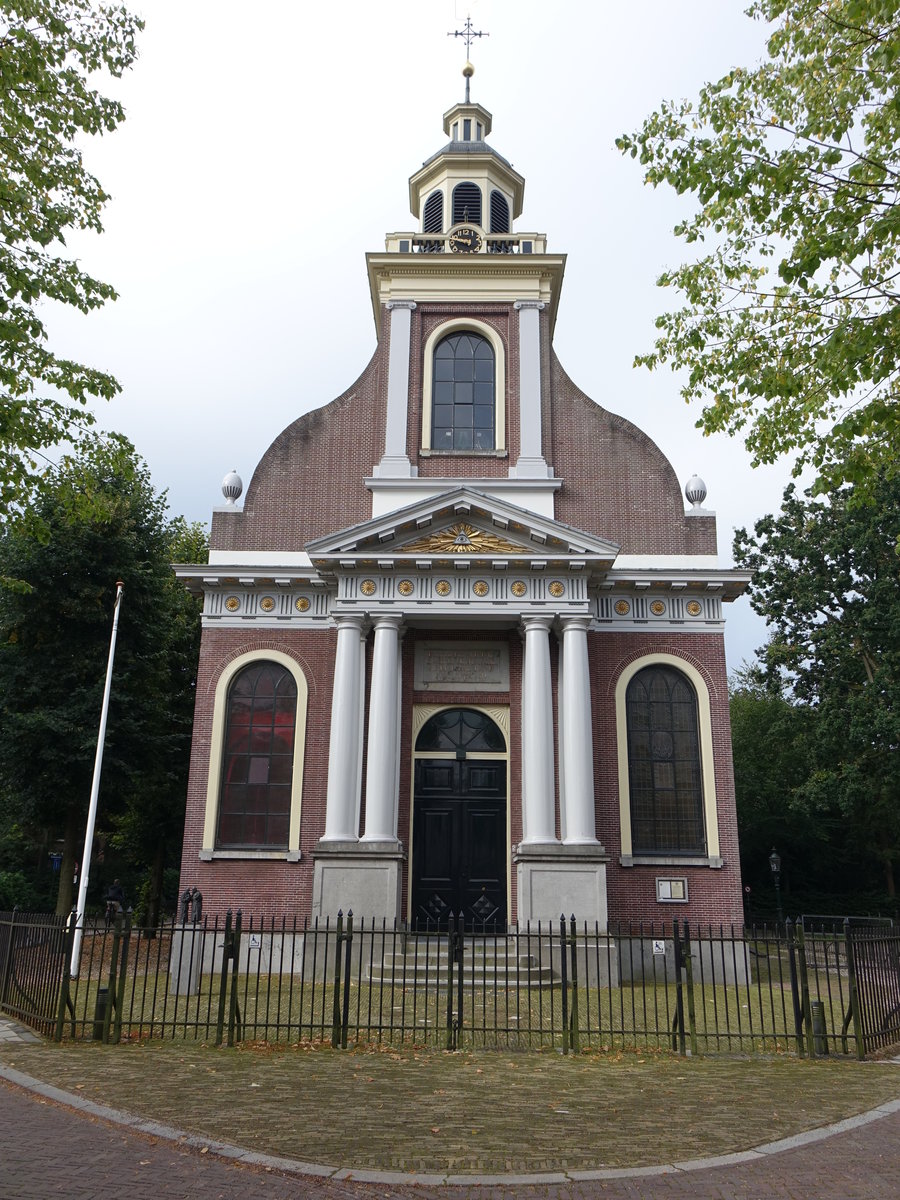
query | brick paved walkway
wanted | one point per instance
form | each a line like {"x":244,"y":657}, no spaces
{"x":528,"y":1113}
{"x":49,"y":1150}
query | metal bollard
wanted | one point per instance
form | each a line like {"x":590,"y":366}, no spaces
{"x":100,"y":1012}
{"x":820,"y":1038}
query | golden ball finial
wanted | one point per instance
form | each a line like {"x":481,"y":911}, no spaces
{"x":468,"y":70}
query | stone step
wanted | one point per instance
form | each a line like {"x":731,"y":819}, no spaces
{"x":501,"y":960}
{"x":437,"y":977}
{"x":488,"y":962}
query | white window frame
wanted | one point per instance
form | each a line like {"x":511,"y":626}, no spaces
{"x":465,"y":325}
{"x":707,"y":766}
{"x":217,"y":756}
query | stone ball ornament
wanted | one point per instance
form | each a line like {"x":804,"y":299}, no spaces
{"x":695,"y":490}
{"x":232,"y":487}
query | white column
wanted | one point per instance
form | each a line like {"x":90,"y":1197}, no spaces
{"x":381,"y":763}
{"x":538,"y":809}
{"x":578,"y":734}
{"x":395,"y":461}
{"x":342,"y":798}
{"x":531,"y":464}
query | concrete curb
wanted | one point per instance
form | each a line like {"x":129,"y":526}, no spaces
{"x":291,"y":1166}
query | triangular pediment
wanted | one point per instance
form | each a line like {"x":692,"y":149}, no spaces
{"x":458,"y":524}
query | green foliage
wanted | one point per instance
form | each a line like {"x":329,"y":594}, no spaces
{"x":49,"y":49}
{"x":825,"y":577}
{"x":790,"y":330}
{"x":104,"y":523}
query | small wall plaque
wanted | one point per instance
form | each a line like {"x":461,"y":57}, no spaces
{"x":672,"y":890}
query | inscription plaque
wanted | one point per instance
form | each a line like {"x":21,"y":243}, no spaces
{"x":462,"y":667}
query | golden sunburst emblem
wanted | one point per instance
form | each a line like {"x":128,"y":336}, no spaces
{"x":301,"y":604}
{"x":694,"y":607}
{"x":232,"y":604}
{"x":442,"y":587}
{"x":622,"y":607}
{"x":367,"y":587}
{"x":480,"y":588}
{"x":463,"y":539}
{"x":405,"y":587}
{"x":557,"y":588}
{"x":518,"y":588}
{"x":657,"y":607}
{"x":267,"y":604}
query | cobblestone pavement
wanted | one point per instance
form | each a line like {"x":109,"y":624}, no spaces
{"x":49,"y":1150}
{"x":374,"y":1115}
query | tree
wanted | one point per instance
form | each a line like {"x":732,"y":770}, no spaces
{"x":104,"y":523}
{"x":48,"y":51}
{"x":825,"y":577}
{"x":790,"y":330}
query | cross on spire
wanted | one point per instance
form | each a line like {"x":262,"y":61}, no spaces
{"x":468,"y":34}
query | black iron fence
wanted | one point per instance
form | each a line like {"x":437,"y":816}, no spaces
{"x":833,"y":989}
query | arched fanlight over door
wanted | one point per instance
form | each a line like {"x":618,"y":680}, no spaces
{"x":460,"y":729}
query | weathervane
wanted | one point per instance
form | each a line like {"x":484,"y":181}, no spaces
{"x":468,"y":34}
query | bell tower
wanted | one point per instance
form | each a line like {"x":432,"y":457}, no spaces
{"x":466,"y":271}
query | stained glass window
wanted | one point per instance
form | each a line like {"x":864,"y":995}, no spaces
{"x":255,"y":803}
{"x":664,"y":763}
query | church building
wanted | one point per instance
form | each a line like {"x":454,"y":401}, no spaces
{"x":462,"y":641}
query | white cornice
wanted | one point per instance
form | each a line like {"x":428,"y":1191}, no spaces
{"x":465,"y":279}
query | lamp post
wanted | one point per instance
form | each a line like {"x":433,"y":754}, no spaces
{"x":775,"y":867}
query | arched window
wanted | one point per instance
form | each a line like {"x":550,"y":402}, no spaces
{"x":433,"y":217}
{"x":258,"y":758}
{"x":499,"y":213}
{"x":664,"y":769}
{"x":467,"y":204}
{"x":462,"y":400}
{"x":463,"y":730}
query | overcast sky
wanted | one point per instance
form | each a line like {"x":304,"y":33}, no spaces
{"x":268,"y":147}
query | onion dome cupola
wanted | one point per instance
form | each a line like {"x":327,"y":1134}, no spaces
{"x":467,"y":183}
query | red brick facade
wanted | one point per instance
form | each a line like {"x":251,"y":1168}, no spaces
{"x":272,"y":888}
{"x":314,"y":546}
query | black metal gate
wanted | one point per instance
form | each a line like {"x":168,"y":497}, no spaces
{"x":873,"y":960}
{"x":32,"y":963}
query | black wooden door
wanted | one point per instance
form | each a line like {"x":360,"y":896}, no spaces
{"x":459,"y":842}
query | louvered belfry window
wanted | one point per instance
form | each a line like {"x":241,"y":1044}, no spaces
{"x":261,"y":716}
{"x":462,"y":398}
{"x":467,"y":204}
{"x":499,"y":213}
{"x":433,"y":217}
{"x":664,"y":763}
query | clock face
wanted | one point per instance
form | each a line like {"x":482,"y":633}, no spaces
{"x":464,"y":240}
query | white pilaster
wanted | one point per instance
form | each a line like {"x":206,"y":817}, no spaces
{"x":395,"y":461}
{"x":530,"y":464}
{"x":577,"y":734}
{"x":342,"y":797}
{"x":538,"y":809}
{"x":381,"y":763}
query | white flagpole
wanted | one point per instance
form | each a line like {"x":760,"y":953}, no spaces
{"x":95,"y":792}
